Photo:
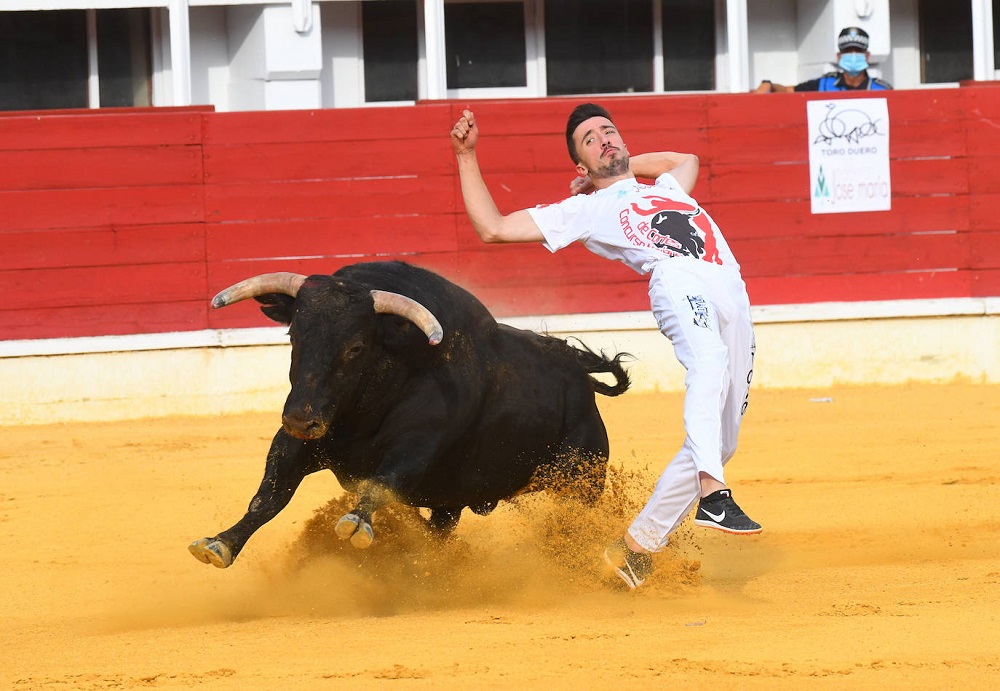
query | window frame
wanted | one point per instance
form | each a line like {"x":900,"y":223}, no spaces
{"x":534,"y":66}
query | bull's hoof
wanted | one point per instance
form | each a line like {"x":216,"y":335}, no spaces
{"x":353,"y":527}
{"x":364,"y":537}
{"x":211,"y":551}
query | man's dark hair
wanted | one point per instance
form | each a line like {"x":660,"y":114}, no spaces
{"x":582,"y":112}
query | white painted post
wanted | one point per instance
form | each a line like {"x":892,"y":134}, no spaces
{"x":736,"y":44}
{"x":93,"y":78}
{"x":180,"y":52}
{"x":982,"y":41}
{"x":437,"y":71}
{"x":658,"y":70}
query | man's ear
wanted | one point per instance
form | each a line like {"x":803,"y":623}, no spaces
{"x":581,"y":169}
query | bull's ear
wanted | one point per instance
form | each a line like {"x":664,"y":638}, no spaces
{"x":277,"y":307}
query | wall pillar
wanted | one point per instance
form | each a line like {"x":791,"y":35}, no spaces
{"x":276,"y":57}
{"x":180,"y":52}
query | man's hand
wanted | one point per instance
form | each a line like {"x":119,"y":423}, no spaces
{"x":582,"y":184}
{"x":465,"y":133}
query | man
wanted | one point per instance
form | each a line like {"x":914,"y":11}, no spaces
{"x":696,"y":292}
{"x":852,"y":59}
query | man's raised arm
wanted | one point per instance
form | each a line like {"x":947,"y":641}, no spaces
{"x":489,"y":223}
{"x":684,"y":167}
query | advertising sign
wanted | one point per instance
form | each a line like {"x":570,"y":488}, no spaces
{"x":849,"y":155}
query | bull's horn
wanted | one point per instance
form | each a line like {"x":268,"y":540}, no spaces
{"x":408,"y":308}
{"x":282,"y":282}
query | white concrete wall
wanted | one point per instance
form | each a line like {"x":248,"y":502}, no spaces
{"x":853,"y":344}
{"x":902,"y":68}
{"x":240,"y":53}
{"x":209,"y":58}
{"x":273,"y":66}
{"x":773,"y":42}
{"x":343,"y":77}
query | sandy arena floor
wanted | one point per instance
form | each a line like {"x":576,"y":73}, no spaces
{"x":879,"y":566}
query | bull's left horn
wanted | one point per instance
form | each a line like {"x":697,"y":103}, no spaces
{"x":282,"y":282}
{"x":408,"y":308}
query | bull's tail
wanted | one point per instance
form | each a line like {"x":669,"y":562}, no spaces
{"x":599,"y":363}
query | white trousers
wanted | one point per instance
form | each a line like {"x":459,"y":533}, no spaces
{"x":705,"y":312}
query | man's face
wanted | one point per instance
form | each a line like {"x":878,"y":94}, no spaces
{"x":853,"y":61}
{"x":600,"y":148}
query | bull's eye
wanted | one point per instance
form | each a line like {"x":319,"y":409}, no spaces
{"x":353,"y":351}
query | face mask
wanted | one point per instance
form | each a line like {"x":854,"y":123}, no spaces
{"x":853,"y":63}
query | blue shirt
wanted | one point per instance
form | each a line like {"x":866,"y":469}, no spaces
{"x":834,"y":81}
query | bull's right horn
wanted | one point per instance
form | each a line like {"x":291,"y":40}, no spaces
{"x":408,"y":308}
{"x":282,"y":282}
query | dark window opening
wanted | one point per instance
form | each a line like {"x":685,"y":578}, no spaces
{"x":688,"y":45}
{"x":123,"y":57}
{"x":485,"y":45}
{"x":945,"y":41}
{"x":996,"y":34}
{"x":43,"y":60}
{"x":390,"y":50}
{"x":598,"y":47}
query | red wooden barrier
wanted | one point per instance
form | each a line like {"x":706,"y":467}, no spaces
{"x":128,"y":220}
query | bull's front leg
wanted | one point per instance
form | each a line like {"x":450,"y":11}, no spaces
{"x":289,"y":460}
{"x":356,"y":526}
{"x":402,"y":468}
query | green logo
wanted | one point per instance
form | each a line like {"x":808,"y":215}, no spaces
{"x":821,"y":189}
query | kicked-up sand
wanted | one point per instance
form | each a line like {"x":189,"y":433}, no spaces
{"x":878,"y":567}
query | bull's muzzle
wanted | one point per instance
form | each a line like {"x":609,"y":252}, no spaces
{"x":303,"y":426}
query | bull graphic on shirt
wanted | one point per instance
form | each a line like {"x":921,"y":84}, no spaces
{"x":676,"y":231}
{"x":680,"y":228}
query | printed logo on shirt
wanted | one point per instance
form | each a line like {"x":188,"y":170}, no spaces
{"x":700,"y":310}
{"x":678,"y":229}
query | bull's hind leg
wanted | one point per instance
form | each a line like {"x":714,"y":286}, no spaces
{"x":288,"y":462}
{"x":583,"y":464}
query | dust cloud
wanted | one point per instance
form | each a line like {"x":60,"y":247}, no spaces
{"x":536,"y":550}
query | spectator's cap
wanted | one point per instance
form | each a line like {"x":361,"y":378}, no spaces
{"x":853,"y":38}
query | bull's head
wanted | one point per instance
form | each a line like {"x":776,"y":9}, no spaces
{"x":332,"y":328}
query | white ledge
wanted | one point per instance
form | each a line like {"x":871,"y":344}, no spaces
{"x":556,"y":323}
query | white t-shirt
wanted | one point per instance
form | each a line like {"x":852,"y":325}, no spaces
{"x":635,"y":223}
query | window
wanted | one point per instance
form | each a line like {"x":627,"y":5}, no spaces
{"x":996,"y":35}
{"x":598,"y":46}
{"x":688,"y":45}
{"x":390,"y":50}
{"x":47,"y":64}
{"x":123,"y":57}
{"x":945,"y":41}
{"x":485,"y":45}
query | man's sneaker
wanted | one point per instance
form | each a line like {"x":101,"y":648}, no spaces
{"x":632,"y":567}
{"x":719,"y":511}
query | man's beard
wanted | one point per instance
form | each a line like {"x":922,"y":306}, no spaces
{"x":614,"y":168}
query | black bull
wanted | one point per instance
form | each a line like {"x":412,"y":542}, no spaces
{"x":423,"y":399}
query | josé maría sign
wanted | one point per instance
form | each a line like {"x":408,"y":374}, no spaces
{"x":849,"y":155}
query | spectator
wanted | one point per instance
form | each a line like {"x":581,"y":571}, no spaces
{"x":852,"y":59}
